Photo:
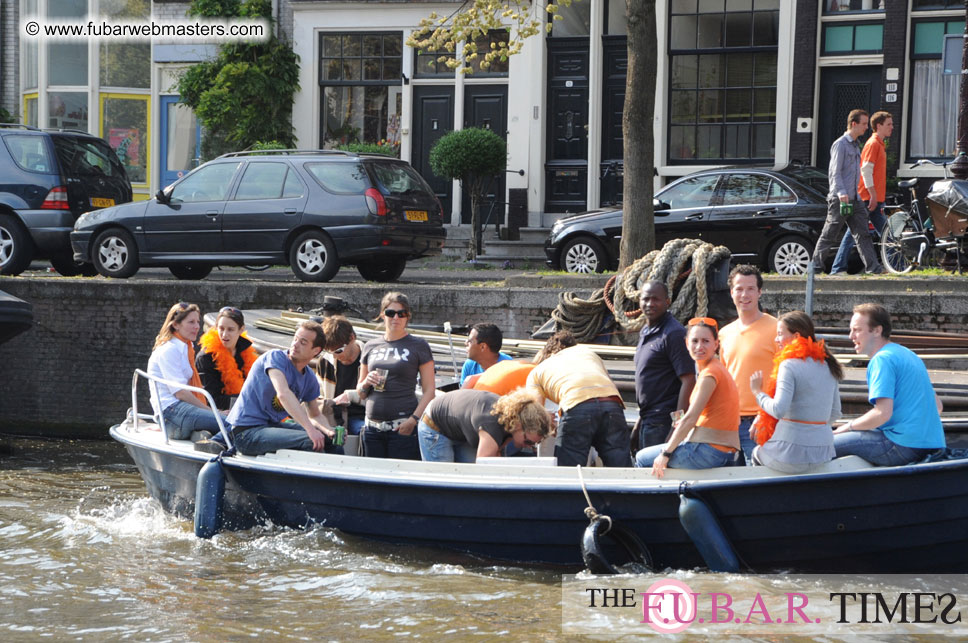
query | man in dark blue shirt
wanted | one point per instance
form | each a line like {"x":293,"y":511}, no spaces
{"x":664,"y":372}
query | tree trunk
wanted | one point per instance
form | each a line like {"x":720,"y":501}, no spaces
{"x":476,"y":187}
{"x":638,"y":227}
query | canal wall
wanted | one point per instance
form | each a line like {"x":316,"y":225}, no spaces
{"x":70,"y":375}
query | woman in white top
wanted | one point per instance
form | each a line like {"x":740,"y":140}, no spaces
{"x":173,"y":358}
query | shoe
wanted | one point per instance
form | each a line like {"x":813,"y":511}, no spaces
{"x":198,"y":436}
{"x":877,"y":271}
{"x":209,"y":446}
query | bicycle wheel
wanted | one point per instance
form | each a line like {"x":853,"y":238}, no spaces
{"x":894,"y":255}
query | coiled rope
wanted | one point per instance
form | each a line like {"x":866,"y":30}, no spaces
{"x":682,"y":265}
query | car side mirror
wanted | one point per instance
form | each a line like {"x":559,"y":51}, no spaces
{"x":658,"y":205}
{"x":162,"y":197}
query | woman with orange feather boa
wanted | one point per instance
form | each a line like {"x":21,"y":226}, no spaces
{"x":226,"y":357}
{"x":799,"y":401}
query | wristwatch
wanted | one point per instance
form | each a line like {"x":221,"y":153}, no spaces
{"x":667,"y":454}
{"x":414,"y":416}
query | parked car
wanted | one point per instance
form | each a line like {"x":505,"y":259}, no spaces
{"x":315,"y":210}
{"x":48,"y":178}
{"x":764,"y":216}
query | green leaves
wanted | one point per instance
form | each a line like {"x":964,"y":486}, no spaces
{"x":469,"y":153}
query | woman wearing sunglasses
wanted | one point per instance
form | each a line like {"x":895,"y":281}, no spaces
{"x":389,"y":367}
{"x":226,"y":357}
{"x":707,"y":435}
{"x":799,"y":401}
{"x":463,"y":425}
{"x":173,"y":359}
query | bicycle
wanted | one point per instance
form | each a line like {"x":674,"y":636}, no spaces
{"x":908,"y":241}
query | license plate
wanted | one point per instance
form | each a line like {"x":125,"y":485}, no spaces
{"x":101,"y":203}
{"x":416,"y":215}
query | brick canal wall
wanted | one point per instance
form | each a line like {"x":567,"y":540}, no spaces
{"x":70,"y":375}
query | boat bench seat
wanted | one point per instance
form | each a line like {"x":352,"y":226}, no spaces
{"x":837,"y":465}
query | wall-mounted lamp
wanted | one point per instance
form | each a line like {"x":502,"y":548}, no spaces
{"x":406,"y":81}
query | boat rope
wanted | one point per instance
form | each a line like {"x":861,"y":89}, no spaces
{"x":590,"y":512}
{"x":619,"y":537}
{"x":681,"y":264}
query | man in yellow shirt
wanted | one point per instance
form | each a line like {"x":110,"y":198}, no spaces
{"x":747,"y":345}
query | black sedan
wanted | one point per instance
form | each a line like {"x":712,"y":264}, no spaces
{"x":764,"y":216}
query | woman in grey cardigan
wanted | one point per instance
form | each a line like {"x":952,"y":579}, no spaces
{"x":801,"y":400}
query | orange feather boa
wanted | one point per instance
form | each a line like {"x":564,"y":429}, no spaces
{"x":799,"y":348}
{"x":232,"y":377}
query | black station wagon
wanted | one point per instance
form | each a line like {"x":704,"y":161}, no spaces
{"x":315,"y":210}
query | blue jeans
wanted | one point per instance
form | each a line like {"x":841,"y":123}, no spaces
{"x":746,"y":443}
{"x":652,"y":433}
{"x":354,"y":426}
{"x":688,"y":455}
{"x":182,"y":418}
{"x":593,"y":423}
{"x":390,"y":444}
{"x":437,"y":447}
{"x":847,"y":243}
{"x":284,"y":435}
{"x":877,"y":448}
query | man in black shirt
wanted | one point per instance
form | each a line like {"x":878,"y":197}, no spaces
{"x":338,"y":371}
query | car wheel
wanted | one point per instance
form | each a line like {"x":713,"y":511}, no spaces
{"x":16,"y":246}
{"x":790,"y":256}
{"x":383,"y":269}
{"x":114,"y":254}
{"x":63,"y":262}
{"x":583,"y":255}
{"x":312,"y":257}
{"x":191,"y":271}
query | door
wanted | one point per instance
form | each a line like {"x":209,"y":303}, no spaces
{"x":843,"y":89}
{"x":433,"y":109}
{"x":267,"y":204}
{"x":566,"y":168}
{"x":690,"y":204}
{"x":615,"y":67}
{"x":181,"y":140}
{"x":191,"y":224}
{"x":753,"y":206}
{"x":486,"y":106}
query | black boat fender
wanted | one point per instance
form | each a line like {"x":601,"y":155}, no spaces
{"x":601,"y":526}
{"x":703,"y":528}
{"x":209,"y":495}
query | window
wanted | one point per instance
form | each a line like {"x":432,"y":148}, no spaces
{"x":67,"y":110}
{"x":30,"y":109}
{"x":694,"y":192}
{"x":81,"y":157}
{"x":837,"y":6}
{"x":29,"y":152}
{"x":780,"y":194}
{"x":362,"y":95}
{"x":430,"y":65}
{"x":496,"y":67}
{"x":722,"y":99}
{"x":928,"y":5}
{"x":262,"y":181}
{"x":125,"y":64}
{"x":862,"y":38}
{"x":743,"y":189}
{"x":66,"y":61}
{"x":208,"y":183}
{"x":339,"y":178}
{"x":124,"y":125}
{"x":575,"y":20}
{"x":397,"y":178}
{"x":934,"y":95}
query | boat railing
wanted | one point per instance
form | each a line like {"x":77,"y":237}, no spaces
{"x":153,"y":383}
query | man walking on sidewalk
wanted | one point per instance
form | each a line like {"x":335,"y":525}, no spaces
{"x":842,"y":204}
{"x":873,"y":186}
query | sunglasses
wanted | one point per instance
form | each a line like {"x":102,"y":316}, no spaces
{"x":390,"y":313}
{"x":230,"y":310}
{"x":703,"y":321}
{"x":339,"y":351}
{"x":530,"y":443}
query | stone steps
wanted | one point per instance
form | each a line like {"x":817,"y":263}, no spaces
{"x":530,"y":248}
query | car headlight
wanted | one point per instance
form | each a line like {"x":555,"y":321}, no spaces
{"x":558,"y":225}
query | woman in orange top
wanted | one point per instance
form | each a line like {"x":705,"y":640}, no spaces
{"x":707,"y":435}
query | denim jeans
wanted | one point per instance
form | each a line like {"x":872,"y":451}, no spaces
{"x":593,"y":423}
{"x":354,"y":426}
{"x":284,"y":435}
{"x":688,"y":455}
{"x":652,"y":433}
{"x":390,"y":444}
{"x":437,"y":447}
{"x":182,"y":418}
{"x":877,"y":448}
{"x":746,"y":443}
{"x":847,"y":243}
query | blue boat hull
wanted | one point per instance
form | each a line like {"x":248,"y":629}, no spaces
{"x":885,"y":520}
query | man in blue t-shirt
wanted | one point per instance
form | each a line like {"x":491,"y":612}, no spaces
{"x":483,"y":350}
{"x":905,"y":424}
{"x":281,"y":385}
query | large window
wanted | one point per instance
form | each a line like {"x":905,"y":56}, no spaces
{"x":847,"y":38}
{"x":360,"y":75}
{"x":66,"y":61}
{"x":934,"y":94}
{"x":722,"y":99}
{"x":838,"y":6}
{"x":125,"y":64}
{"x":124,"y":125}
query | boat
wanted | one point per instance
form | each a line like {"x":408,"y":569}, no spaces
{"x":846,"y":516}
{"x":16,"y":316}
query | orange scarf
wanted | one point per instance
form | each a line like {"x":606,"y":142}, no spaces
{"x":799,"y":348}
{"x":195,"y":380}
{"x":225,"y":364}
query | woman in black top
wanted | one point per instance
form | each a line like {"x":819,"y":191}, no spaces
{"x":226,"y":356}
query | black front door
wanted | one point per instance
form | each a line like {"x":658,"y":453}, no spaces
{"x":486,"y":106}
{"x":843,"y":89}
{"x":615,"y":66}
{"x":566,"y":168}
{"x":433,"y":117}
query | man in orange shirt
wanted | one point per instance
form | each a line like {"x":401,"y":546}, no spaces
{"x":872,"y":187}
{"x":747,"y":345}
